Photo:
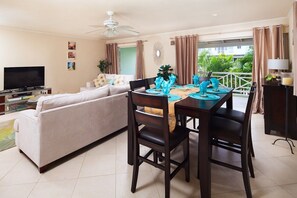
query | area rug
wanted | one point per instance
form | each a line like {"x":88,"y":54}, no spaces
{"x":7,"y":139}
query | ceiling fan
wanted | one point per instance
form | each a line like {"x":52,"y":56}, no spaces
{"x":112,"y":28}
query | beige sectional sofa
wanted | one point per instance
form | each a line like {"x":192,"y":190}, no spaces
{"x":64,"y":123}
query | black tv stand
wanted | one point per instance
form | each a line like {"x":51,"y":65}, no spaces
{"x":30,"y":88}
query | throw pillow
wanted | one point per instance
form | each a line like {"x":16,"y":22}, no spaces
{"x":100,"y":80}
{"x":119,"y":80}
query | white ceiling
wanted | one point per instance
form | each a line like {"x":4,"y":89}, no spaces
{"x":74,"y":17}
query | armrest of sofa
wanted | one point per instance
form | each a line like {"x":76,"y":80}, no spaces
{"x":27,"y":133}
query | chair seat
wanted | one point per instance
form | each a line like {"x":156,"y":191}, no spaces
{"x":226,"y":129}
{"x":155,"y":136}
{"x":230,"y":114}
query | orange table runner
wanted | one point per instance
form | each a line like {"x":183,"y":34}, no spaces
{"x":183,"y":93}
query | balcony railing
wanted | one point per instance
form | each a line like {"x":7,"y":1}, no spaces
{"x":240,"y":82}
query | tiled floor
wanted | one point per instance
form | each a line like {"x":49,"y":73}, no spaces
{"x":103,"y":172}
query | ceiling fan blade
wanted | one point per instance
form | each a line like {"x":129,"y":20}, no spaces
{"x":132,"y":32}
{"x":110,"y":33}
{"x":97,"y":26}
{"x":125,"y":27}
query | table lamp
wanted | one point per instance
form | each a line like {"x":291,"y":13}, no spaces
{"x":278,"y":64}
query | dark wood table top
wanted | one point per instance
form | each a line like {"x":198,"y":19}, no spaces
{"x":210,"y":106}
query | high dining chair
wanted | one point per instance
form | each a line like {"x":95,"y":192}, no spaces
{"x":155,"y":135}
{"x":239,"y":117}
{"x":149,"y":82}
{"x":138,"y":84}
{"x":224,"y":131}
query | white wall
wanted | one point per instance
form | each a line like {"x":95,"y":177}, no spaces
{"x":21,"y":48}
{"x":232,"y":31}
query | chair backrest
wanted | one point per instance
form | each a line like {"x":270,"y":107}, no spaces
{"x":150,"y":81}
{"x":158,"y":122}
{"x":137,"y":84}
{"x":248,"y":113}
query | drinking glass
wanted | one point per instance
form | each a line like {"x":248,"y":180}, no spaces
{"x":203,"y":87}
{"x":158,"y":82}
{"x":166,"y":87}
{"x":215,"y":83}
{"x":195,"y":80}
{"x":172,"y":79}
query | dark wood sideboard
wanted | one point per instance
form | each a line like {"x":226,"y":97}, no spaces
{"x":275,"y":110}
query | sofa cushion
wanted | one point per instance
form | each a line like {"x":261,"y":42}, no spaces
{"x":119,"y":80}
{"x":117,"y":89}
{"x":128,"y":78}
{"x":110,"y":78}
{"x":45,"y":98}
{"x":123,"y":78}
{"x":59,"y":100}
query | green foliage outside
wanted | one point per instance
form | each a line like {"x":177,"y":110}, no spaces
{"x":225,"y":63}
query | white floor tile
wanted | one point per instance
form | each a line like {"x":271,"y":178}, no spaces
{"x":103,"y":171}
{"x":60,"y":189}
{"x":16,"y":191}
{"x":95,"y":165}
{"x":100,"y":186}
{"x":24,"y":172}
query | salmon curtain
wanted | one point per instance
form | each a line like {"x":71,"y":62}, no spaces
{"x":112,"y":57}
{"x":139,"y":60}
{"x":186,"y":57}
{"x":268,"y":44}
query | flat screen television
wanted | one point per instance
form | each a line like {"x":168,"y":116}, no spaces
{"x":23,"y":77}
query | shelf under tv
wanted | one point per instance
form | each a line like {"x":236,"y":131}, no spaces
{"x":18,"y":100}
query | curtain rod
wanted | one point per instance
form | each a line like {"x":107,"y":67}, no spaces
{"x":243,"y":30}
{"x":128,"y":42}
{"x":216,"y":33}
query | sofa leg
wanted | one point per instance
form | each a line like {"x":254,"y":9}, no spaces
{"x":42,"y":169}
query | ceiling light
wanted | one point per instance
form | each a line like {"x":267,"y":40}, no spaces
{"x":214,"y":14}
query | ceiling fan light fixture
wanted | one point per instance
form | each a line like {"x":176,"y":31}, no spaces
{"x":112,"y":27}
{"x":111,"y":32}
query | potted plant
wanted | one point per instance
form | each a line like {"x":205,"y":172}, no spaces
{"x":165,"y":71}
{"x":103,"y":65}
{"x":204,"y":75}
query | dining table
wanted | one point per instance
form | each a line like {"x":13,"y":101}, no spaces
{"x":203,"y":110}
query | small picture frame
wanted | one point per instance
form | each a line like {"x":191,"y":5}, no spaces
{"x":71,"y":55}
{"x":71,"y":65}
{"x":71,"y":45}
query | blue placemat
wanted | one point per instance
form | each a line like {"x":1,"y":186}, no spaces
{"x":208,"y":97}
{"x":153,"y":91}
{"x":171,"y":97}
{"x":221,"y":90}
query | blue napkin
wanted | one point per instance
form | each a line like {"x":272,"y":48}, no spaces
{"x":158,"y":82}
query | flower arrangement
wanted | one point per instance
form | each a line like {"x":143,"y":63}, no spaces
{"x":165,"y":71}
{"x":103,"y":65}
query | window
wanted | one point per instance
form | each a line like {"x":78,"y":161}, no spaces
{"x":226,"y":55}
{"x":127,"y":60}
